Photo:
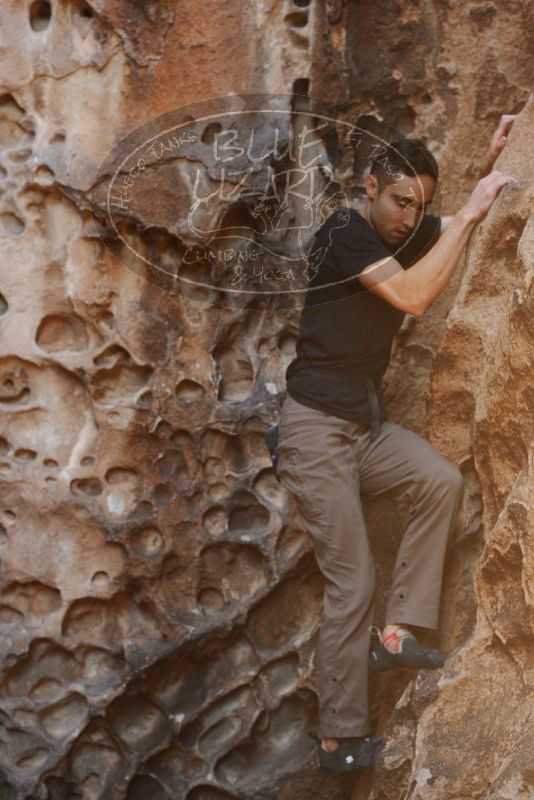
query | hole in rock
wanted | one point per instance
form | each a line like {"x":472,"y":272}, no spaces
{"x":301,"y":3}
{"x":171,"y":463}
{"x":11,"y":225}
{"x":295,"y":600}
{"x":44,"y":176}
{"x":144,"y":508}
{"x":181,"y":439}
{"x":247,"y":516}
{"x":25,"y":455}
{"x":107,"y":319}
{"x":236,"y":374}
{"x":145,"y":400}
{"x":215,"y":520}
{"x":163,"y":494}
{"x":239,"y":707}
{"x":301,"y":86}
{"x":4,"y":446}
{"x":59,"y":789}
{"x":188,"y":391}
{"x":40,"y":13}
{"x":215,"y":738}
{"x":115,"y":384}
{"x":3,"y":304}
{"x":210,"y":601}
{"x":91,"y":487}
{"x":147,"y":542}
{"x":217,"y":492}
{"x":9,"y":616}
{"x":100,"y":581}
{"x":46,"y":690}
{"x":184,"y":685}
{"x":287,"y":343}
{"x":210,"y":132}
{"x":62,"y":332}
{"x":20,"y":156}
{"x":297,"y":19}
{"x":269,"y":489}
{"x":85,"y":11}
{"x":281,"y":676}
{"x":139,"y":722}
{"x":63,"y":718}
{"x":32,"y":598}
{"x":404,"y":120}
{"x":283,"y":741}
{"x":163,"y":429}
{"x":101,"y":668}
{"x":240,"y":570}
{"x":209,"y":793}
{"x":110,"y":622}
{"x":122,"y":475}
{"x":58,"y":138}
{"x":111,"y":356}
{"x":426,"y":99}
{"x":144,"y":787}
{"x":226,"y":448}
{"x":51,"y":463}
{"x":32,"y":760}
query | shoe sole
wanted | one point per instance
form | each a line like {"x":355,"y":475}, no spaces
{"x":381,"y":660}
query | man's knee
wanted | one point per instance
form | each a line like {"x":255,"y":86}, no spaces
{"x":444,"y":478}
{"x":453,"y":480}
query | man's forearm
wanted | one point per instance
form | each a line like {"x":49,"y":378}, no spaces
{"x":429,"y":276}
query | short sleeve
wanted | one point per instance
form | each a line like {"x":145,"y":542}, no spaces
{"x":355,"y":246}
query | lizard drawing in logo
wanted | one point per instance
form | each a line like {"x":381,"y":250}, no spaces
{"x":275,"y":228}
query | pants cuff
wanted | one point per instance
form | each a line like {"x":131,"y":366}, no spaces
{"x":399,"y":615}
{"x":327,"y":732}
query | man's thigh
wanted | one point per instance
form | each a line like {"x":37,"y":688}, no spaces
{"x":399,"y":460}
{"x":317,"y":464}
{"x":316,"y":460}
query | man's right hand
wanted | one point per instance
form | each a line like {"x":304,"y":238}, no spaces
{"x":484,"y":194}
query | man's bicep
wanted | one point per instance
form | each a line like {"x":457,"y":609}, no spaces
{"x":385,"y":278}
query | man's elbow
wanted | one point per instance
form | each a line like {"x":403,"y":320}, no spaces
{"x":416,"y":309}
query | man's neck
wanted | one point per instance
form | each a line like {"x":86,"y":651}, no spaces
{"x":366,"y":214}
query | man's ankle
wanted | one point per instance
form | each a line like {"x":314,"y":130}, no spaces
{"x":330,"y":745}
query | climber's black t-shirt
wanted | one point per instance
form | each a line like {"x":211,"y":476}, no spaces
{"x":346,"y":331}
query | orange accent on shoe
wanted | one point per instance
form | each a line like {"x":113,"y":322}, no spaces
{"x":393,"y":641}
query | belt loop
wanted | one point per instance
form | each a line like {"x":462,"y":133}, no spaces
{"x":373,"y":406}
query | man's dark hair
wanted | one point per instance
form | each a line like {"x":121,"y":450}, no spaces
{"x":407,"y":156}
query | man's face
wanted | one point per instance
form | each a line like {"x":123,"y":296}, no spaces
{"x":396,"y":209}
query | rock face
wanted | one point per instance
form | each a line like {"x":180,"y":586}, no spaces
{"x":468,"y":731}
{"x":159,"y":596}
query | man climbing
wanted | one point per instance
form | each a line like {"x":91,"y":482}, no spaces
{"x":335,"y":440}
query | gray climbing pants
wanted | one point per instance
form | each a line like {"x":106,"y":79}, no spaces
{"x":325,"y":462}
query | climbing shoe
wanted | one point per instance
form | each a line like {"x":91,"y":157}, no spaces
{"x":352,"y":755}
{"x":409,"y":654}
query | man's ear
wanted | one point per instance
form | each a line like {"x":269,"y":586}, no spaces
{"x":371,"y":186}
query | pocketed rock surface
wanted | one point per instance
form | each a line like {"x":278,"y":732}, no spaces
{"x":159,"y":596}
